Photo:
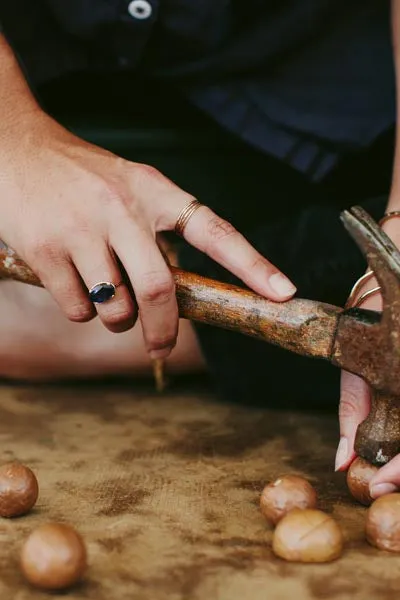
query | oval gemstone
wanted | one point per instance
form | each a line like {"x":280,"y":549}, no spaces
{"x":101,"y":292}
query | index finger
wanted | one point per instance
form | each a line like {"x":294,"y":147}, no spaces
{"x":217,"y":238}
{"x":387,"y":479}
{"x":353,"y":409}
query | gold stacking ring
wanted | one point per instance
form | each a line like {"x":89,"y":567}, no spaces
{"x":184,"y":216}
{"x":353,"y":301}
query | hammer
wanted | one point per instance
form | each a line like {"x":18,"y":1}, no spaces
{"x":363,"y":342}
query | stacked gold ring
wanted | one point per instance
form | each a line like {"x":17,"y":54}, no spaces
{"x":184,"y":216}
{"x":352,"y":301}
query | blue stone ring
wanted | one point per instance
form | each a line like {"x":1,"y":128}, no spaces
{"x":103,"y":291}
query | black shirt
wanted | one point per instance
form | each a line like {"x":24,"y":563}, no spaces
{"x":304,"y":80}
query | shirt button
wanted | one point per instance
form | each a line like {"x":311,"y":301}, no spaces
{"x":140,"y":9}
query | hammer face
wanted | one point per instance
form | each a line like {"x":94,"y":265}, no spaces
{"x":361,"y":347}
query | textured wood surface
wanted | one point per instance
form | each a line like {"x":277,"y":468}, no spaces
{"x":165,"y":491}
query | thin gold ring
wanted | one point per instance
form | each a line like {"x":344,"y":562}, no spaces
{"x":351,"y":302}
{"x":388,"y":216}
{"x":184,"y":216}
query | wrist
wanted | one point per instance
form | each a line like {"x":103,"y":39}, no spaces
{"x":390,"y":223}
{"x":17,"y":102}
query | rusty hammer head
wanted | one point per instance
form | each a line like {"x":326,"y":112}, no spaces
{"x":369,"y":344}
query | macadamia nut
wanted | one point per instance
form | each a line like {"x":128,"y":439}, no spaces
{"x":285,"y":494}
{"x":359,"y":475}
{"x":307,"y":536}
{"x":19,"y":490}
{"x":382,"y":526}
{"x":53,"y":557}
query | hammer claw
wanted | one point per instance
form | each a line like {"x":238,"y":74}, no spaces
{"x":373,"y":351}
{"x":382,"y":255}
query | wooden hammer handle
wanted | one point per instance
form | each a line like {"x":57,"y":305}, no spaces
{"x":301,"y":326}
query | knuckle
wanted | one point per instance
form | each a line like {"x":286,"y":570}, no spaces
{"x":118,"y":317}
{"x":148,"y":170}
{"x":111,"y":192}
{"x":144,"y":172}
{"x":147,"y":178}
{"x":79,"y":313}
{"x":77,"y":227}
{"x":159,"y":341}
{"x":219,"y":229}
{"x":349,"y":405}
{"x":157,"y":288}
{"x":38,"y":248}
{"x":257,"y":263}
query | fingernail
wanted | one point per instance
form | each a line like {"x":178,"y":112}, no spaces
{"x":159,"y":354}
{"x":281,"y":285}
{"x":381,"y":489}
{"x":341,"y":454}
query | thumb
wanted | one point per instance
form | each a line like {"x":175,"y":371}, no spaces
{"x":353,"y":409}
{"x":387,"y":479}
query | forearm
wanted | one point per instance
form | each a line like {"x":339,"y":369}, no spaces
{"x":16,"y":98}
{"x":394,"y":199}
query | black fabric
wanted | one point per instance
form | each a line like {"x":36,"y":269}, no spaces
{"x":304,"y":81}
{"x":310,"y":245}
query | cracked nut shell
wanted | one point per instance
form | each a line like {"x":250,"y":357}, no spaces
{"x":19,"y":489}
{"x":53,"y":557}
{"x":285,"y":494}
{"x":307,"y":536}
{"x":382,"y":525}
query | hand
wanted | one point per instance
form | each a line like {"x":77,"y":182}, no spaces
{"x":355,"y":403}
{"x":79,"y":215}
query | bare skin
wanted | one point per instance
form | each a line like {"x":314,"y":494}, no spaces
{"x":40,"y":343}
{"x":78,"y":215}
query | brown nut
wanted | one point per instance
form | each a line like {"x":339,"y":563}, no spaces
{"x":285,"y":494}
{"x":53,"y":557}
{"x":19,"y":490}
{"x":382,"y":526}
{"x":359,"y":475}
{"x":308,"y":536}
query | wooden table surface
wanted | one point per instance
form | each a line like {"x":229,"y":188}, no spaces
{"x":165,"y":491}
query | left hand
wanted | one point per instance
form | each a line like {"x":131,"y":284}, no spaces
{"x":355,"y":403}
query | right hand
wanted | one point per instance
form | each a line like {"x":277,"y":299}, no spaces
{"x":72,"y":210}
{"x":355,"y":394}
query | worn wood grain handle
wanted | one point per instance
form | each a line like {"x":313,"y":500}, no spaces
{"x":302,"y":326}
